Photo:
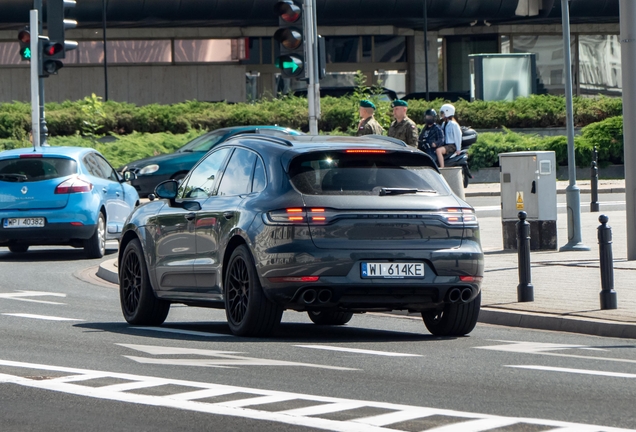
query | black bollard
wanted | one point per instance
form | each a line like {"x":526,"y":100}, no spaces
{"x":594,"y":205}
{"x":525,"y":289}
{"x":608,"y":295}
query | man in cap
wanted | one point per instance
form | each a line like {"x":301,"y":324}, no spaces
{"x":403,"y":128}
{"x":368,"y":124}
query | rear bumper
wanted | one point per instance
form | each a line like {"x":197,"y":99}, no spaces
{"x":50,"y":234}
{"x":340,"y":275}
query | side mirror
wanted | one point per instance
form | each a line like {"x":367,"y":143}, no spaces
{"x":167,"y":189}
{"x":130,"y":176}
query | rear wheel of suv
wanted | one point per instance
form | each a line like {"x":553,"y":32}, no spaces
{"x":454,"y":320}
{"x":138,"y":301}
{"x":330,"y":317}
{"x":95,"y":247}
{"x":18,"y":248}
{"x":248,"y":311}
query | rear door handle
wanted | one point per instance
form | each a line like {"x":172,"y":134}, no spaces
{"x":228,"y":215}
{"x":190,"y":216}
{"x":104,"y":190}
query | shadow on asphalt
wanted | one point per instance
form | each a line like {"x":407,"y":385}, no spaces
{"x":287,"y":332}
{"x":50,"y":255}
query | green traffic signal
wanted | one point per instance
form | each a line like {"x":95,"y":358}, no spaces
{"x":26,"y":54}
{"x":290,"y":65}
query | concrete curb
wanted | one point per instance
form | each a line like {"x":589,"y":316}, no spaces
{"x":107,"y":270}
{"x":495,"y":316}
{"x":569,"y":324}
{"x":559,"y":191}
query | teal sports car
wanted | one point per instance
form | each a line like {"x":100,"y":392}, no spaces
{"x":153,"y":170}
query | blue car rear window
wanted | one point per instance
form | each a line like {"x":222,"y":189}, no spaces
{"x":36,"y":169}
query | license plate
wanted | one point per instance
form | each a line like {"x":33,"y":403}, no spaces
{"x":392,"y":270}
{"x":23,"y":223}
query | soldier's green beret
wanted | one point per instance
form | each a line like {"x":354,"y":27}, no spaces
{"x":365,"y":103}
{"x":399,"y":102}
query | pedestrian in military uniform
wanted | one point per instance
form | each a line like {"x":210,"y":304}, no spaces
{"x":368,"y":124}
{"x":403,"y":128}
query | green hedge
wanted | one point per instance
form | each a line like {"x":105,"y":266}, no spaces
{"x":606,"y":135}
{"x":338,"y":114}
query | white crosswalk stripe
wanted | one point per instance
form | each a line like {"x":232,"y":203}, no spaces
{"x":247,"y":402}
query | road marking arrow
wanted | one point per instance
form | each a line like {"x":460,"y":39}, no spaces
{"x":22,"y":296}
{"x":223,"y":359}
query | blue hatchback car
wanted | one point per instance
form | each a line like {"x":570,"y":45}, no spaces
{"x":153,"y":170}
{"x":61,"y":196}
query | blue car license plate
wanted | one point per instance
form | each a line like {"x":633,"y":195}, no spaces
{"x":392,"y":270}
{"x":37,"y":222}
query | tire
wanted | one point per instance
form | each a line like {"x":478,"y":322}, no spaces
{"x":18,"y":248}
{"x":248,"y":311}
{"x":138,"y":302}
{"x":454,"y":320}
{"x":95,"y":247}
{"x":330,"y":317}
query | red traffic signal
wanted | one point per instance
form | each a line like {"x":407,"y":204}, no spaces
{"x":290,"y":37}
{"x":287,"y":10}
{"x":50,"y":49}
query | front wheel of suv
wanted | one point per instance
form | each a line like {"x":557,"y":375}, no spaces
{"x":248,"y":311}
{"x":138,"y":301}
{"x":330,"y":317}
{"x":454,"y":320}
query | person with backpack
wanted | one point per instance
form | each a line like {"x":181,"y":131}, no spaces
{"x":452,"y":134}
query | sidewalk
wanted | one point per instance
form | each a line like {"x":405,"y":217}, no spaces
{"x":566,"y":284}
{"x":493,"y":189}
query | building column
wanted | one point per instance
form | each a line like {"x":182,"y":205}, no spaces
{"x":417,"y":69}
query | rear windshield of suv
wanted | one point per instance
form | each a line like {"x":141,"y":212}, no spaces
{"x":36,"y":169}
{"x":341,"y":173}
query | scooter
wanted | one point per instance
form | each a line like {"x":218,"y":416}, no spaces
{"x":469,"y":137}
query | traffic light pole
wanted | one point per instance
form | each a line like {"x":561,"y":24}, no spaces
{"x":43,"y":130}
{"x":35,"y":82}
{"x":311,"y":50}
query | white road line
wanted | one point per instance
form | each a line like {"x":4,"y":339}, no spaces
{"x":201,"y":394}
{"x":575,"y":371}
{"x":358,"y":351}
{"x":475,"y":425}
{"x":262,"y":400}
{"x":179,"y":331}
{"x":41,"y":317}
{"x":299,"y":417}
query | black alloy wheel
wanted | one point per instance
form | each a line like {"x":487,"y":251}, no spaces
{"x":248,"y":311}
{"x":139,"y":304}
{"x":456,"y":319}
{"x":329,"y":317}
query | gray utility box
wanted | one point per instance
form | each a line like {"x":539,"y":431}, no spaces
{"x":528,"y":183}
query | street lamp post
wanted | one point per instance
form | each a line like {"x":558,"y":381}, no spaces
{"x":572,"y":192}
{"x":628,"y":64}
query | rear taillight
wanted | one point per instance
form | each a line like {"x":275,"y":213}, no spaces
{"x":459,"y":216}
{"x":293,"y":216}
{"x":365,"y":151}
{"x":73,"y":185}
{"x":470,"y":278}
{"x":294,"y":279}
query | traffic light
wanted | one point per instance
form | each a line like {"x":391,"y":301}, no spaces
{"x":49,"y":52}
{"x":24,"y":36}
{"x":291,"y":60}
{"x":57,"y":25}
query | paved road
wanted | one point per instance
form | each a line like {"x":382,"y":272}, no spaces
{"x":69,"y":362}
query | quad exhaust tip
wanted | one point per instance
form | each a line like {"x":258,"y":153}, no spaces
{"x":457,"y":295}
{"x":324,"y":296}
{"x":309,"y":296}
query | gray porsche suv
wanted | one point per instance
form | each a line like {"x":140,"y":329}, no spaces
{"x":328,"y":225}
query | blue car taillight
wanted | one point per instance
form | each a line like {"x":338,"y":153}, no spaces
{"x":73,"y":185}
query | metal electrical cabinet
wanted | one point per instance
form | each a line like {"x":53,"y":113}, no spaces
{"x":528,"y":183}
